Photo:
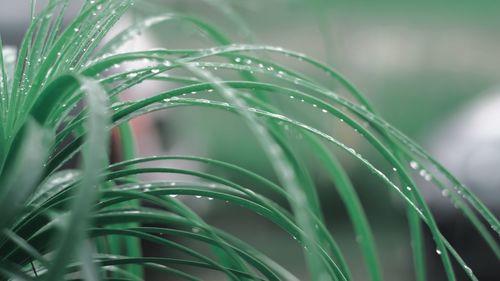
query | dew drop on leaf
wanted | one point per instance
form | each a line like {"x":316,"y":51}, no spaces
{"x":445,"y":192}
{"x":467,"y":269}
{"x":428,"y":177}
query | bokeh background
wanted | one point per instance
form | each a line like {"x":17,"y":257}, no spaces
{"x":430,"y":68}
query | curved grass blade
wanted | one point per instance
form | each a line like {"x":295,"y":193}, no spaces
{"x":94,"y":161}
{"x":23,"y":169}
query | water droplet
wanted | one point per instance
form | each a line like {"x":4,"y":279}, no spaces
{"x":445,"y":192}
{"x":155,"y":70}
{"x":428,"y":177}
{"x":438,"y":252}
{"x":414,"y":165}
{"x":76,"y":29}
{"x":210,"y":198}
{"x":198,"y":196}
{"x":324,"y":110}
{"x":238,"y":59}
{"x":395,"y":169}
{"x":173,"y":195}
{"x":408,"y":188}
{"x":468,"y":270}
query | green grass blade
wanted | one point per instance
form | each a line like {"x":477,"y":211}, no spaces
{"x":95,"y":151}
{"x":29,"y":153}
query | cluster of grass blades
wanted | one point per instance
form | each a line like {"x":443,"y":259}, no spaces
{"x":87,"y":223}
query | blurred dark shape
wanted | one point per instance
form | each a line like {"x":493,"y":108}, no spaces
{"x":468,"y":144}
